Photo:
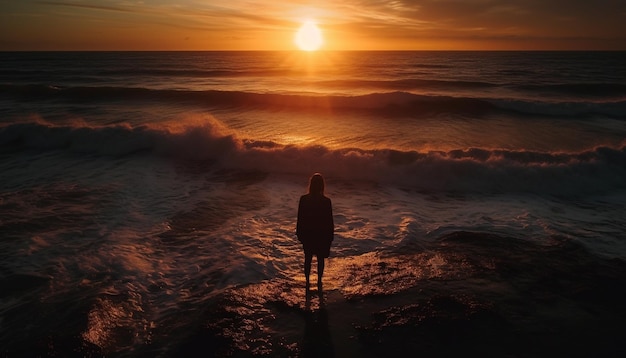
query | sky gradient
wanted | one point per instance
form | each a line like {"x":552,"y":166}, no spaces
{"x":346,"y":24}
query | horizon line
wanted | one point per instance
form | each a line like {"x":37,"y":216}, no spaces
{"x":328,"y":51}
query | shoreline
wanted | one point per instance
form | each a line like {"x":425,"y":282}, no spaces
{"x":562,"y":302}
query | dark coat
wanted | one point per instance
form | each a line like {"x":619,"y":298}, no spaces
{"x":315,"y":227}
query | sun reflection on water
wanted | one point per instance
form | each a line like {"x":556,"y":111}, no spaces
{"x":115,"y":326}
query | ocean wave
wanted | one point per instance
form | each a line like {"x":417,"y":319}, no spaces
{"x":150,"y":72}
{"x":596,"y":170}
{"x":389,"y":103}
{"x":569,"y":109}
{"x":611,"y":90}
{"x":409,"y":84}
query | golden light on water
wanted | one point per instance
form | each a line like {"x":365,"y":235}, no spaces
{"x":309,"y":37}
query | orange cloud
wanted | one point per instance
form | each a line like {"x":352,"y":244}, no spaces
{"x":347,"y":24}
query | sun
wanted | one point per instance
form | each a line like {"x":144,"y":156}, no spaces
{"x":309,"y":37}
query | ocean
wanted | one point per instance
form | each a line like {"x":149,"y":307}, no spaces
{"x":148,"y":203}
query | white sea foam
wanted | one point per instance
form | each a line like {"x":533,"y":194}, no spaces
{"x":596,"y":170}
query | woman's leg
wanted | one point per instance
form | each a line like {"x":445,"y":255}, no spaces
{"x":308,"y":258}
{"x":320,"y":270}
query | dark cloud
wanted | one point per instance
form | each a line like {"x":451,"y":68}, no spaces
{"x":84,"y":6}
{"x":514,"y":20}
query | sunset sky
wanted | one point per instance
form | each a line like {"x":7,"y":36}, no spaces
{"x":346,"y":24}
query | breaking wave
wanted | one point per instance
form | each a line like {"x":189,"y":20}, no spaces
{"x":597,"y":170}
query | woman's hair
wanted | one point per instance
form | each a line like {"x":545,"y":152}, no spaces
{"x":316,"y":184}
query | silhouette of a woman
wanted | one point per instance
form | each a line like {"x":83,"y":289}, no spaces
{"x":315,"y":227}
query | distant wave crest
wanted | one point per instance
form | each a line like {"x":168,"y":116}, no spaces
{"x":596,"y":170}
{"x":397,"y":103}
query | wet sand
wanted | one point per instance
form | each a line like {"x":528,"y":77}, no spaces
{"x":518,"y":300}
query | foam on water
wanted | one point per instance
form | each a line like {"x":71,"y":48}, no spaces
{"x":596,"y":170}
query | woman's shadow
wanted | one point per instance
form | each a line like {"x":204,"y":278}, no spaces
{"x":317,"y":340}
